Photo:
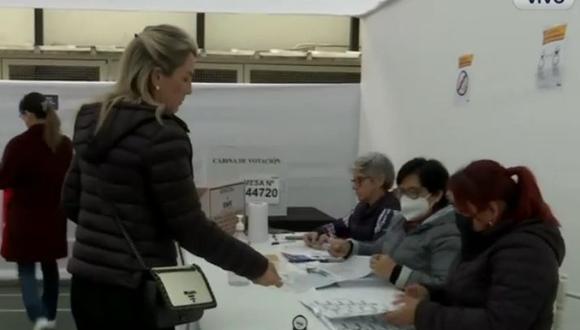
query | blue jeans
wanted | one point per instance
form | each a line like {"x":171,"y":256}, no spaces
{"x":36,"y":306}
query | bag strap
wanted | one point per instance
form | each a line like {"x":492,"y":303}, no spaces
{"x":114,"y":209}
{"x":119,"y":224}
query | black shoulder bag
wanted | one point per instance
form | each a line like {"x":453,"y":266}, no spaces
{"x":173,"y":295}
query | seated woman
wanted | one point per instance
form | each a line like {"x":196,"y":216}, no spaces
{"x":423,"y":241}
{"x":373,"y":176}
{"x":507,"y":276}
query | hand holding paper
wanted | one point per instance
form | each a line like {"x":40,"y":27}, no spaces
{"x":339,"y":248}
{"x":382,"y":265}
{"x":316,"y":241}
{"x":405,"y":314}
{"x":417,"y":291}
{"x":270,"y":277}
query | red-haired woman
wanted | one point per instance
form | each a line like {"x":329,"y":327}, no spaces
{"x":507,"y":276}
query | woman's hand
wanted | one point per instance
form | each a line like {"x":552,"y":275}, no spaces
{"x":270,"y":277}
{"x":382,"y":265}
{"x":339,"y":248}
{"x":417,"y":291}
{"x":405,"y":314}
{"x":313,"y":240}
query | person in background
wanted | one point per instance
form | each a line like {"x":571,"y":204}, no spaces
{"x":507,"y":276}
{"x":32,"y":172}
{"x":423,"y":241}
{"x":133,"y":151}
{"x":372,"y":178}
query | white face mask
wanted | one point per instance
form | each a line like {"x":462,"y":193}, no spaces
{"x":411,"y":209}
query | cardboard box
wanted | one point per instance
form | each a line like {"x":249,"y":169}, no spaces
{"x":222,"y":204}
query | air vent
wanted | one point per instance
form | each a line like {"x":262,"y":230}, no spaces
{"x":54,"y":72}
{"x":216,"y":76}
{"x":302,"y":77}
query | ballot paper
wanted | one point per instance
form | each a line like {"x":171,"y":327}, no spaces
{"x":355,"y":307}
{"x":354,"y":268}
{"x":376,"y":322}
{"x":301,"y":249}
{"x":302,"y":258}
{"x":335,"y":303}
{"x":299,"y":282}
{"x":306,"y":276}
{"x":359,"y":323}
{"x":346,"y":307}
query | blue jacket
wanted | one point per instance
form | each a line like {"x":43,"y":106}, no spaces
{"x":366,"y":222}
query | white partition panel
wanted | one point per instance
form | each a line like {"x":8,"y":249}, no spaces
{"x":314,"y":128}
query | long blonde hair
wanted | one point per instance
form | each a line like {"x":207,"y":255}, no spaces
{"x":161,"y":46}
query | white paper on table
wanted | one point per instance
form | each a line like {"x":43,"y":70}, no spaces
{"x":297,"y":279}
{"x":365,"y":282}
{"x":306,"y":276}
{"x":346,"y":307}
{"x":300,"y":282}
{"x":375,"y":322}
{"x":354,"y":268}
{"x":302,"y":249}
{"x":336,"y":303}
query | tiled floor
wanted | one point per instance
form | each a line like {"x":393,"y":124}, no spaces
{"x":13,"y":316}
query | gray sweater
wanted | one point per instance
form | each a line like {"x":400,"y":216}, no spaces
{"x":425,"y":253}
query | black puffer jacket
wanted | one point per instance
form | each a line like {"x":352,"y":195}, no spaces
{"x":145,"y":169}
{"x":506,"y":279}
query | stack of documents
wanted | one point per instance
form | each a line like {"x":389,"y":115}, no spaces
{"x":355,"y":308}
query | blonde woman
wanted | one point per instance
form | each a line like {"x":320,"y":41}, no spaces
{"x":133,"y":150}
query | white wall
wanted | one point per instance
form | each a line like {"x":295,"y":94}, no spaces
{"x":13,"y":27}
{"x":77,"y":27}
{"x":411,"y":49}
{"x":570,"y":317}
{"x":225,"y":31}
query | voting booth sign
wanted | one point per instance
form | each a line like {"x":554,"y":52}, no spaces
{"x":262,"y":169}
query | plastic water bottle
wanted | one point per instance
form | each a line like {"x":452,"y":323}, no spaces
{"x":233,"y":278}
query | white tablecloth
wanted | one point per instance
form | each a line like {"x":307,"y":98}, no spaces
{"x":250,"y":307}
{"x":253,"y":307}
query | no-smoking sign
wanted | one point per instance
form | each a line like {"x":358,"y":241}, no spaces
{"x":462,"y":86}
{"x":462,"y":83}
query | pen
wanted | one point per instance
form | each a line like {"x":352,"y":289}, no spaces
{"x":278,"y":242}
{"x":293,"y":238}
{"x":329,"y":260}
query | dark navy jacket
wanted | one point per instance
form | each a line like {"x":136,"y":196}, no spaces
{"x":366,"y":222}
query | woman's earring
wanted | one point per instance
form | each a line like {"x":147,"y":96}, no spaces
{"x":157,"y":87}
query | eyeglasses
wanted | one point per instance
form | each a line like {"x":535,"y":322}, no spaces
{"x":357,"y":181}
{"x":412,"y":192}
